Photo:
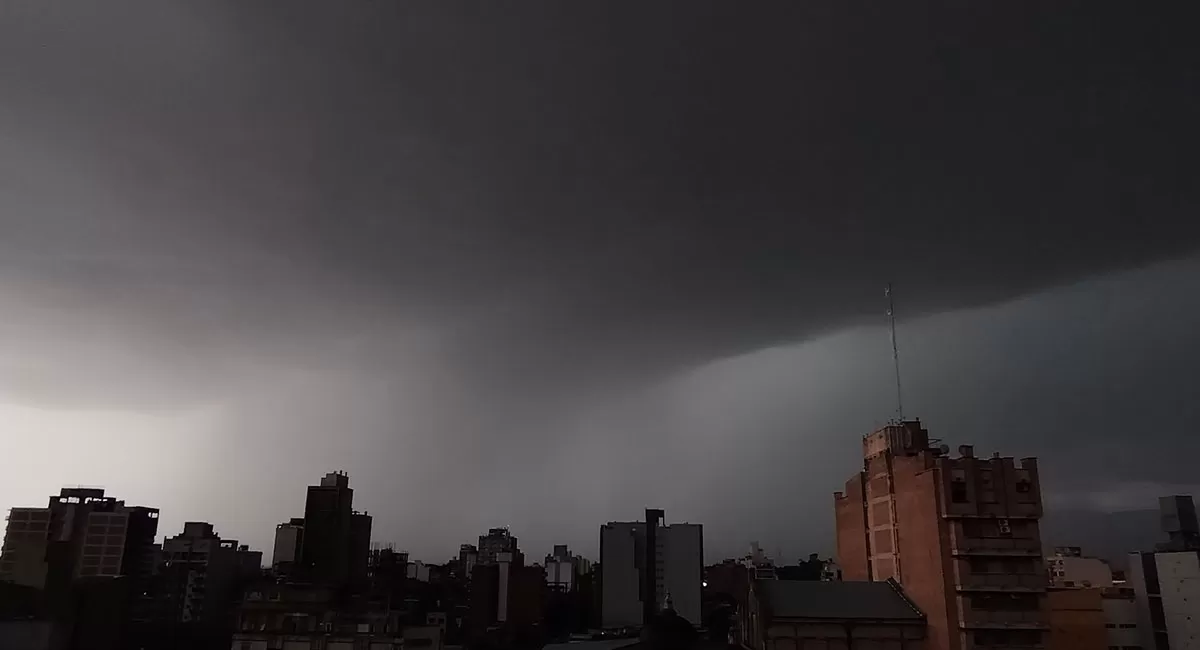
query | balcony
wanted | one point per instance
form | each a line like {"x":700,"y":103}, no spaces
{"x":990,"y":550}
{"x":996,"y":619}
{"x":1002,"y":582}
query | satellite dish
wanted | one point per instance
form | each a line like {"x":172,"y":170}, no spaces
{"x":945,"y":449}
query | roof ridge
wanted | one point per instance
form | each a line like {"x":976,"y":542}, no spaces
{"x":891,"y":582}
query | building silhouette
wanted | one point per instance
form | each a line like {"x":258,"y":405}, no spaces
{"x":1166,"y":581}
{"x":495,"y":542}
{"x":81,"y":533}
{"x":336,"y":539}
{"x":960,"y":534}
{"x":677,"y":571}
{"x":289,"y":542}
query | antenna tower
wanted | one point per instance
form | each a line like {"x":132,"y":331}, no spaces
{"x":891,"y":312}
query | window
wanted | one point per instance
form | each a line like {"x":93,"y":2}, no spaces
{"x":958,"y":491}
{"x":1024,"y":486}
{"x":1127,"y":626}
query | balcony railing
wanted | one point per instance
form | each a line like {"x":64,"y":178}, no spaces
{"x":1005,"y":582}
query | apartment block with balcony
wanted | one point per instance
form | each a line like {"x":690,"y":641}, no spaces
{"x":960,"y":534}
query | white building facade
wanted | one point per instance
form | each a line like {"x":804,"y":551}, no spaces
{"x":1166,"y":585}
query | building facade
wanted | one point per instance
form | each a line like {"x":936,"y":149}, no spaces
{"x":1068,"y":567}
{"x":792,"y":614}
{"x":495,"y":542}
{"x":1166,"y":585}
{"x":468,"y":557}
{"x":961,"y":535}
{"x":204,"y":574}
{"x":289,"y":540}
{"x":1120,"y":619}
{"x":80,"y":534}
{"x":1076,"y":619}
{"x":1166,"y":582}
{"x":337,"y":539}
{"x":679,"y":571}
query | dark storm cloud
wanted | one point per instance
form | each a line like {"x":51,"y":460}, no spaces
{"x":460,"y":231}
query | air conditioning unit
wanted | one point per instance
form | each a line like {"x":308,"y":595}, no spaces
{"x":1005,"y":529}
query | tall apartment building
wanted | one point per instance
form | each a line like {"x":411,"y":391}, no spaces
{"x":468,"y":557}
{"x":1166,"y":582}
{"x":959,"y":534}
{"x":289,"y":540}
{"x":563,"y":568}
{"x":203,"y":573}
{"x":80,"y":534}
{"x":497,"y":541}
{"x":359,"y":547}
{"x":337,"y":540}
{"x":678,"y":571}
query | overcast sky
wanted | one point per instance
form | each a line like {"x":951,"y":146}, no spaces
{"x":544,"y":264}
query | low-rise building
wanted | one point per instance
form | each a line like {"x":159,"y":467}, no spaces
{"x":312,"y":617}
{"x":789,"y":614}
{"x":1076,"y":619}
{"x":1068,"y":567}
{"x":1120,"y":618}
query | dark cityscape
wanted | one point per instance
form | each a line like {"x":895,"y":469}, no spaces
{"x":807,"y":325}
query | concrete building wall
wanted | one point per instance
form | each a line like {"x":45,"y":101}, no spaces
{"x":560,"y":574}
{"x":23,"y":555}
{"x":620,"y":604}
{"x":1142,"y":577}
{"x":1179,"y":582}
{"x":287,"y":544}
{"x":1120,"y":621}
{"x":851,"y":530}
{"x":103,"y":544}
{"x":799,"y":635}
{"x":918,"y":509}
{"x":1167,"y":595}
{"x":923,"y":551}
{"x":1066,"y":571}
{"x":683,"y":568}
{"x":1076,"y":620}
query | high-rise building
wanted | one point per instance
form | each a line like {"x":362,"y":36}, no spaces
{"x":497,"y":541}
{"x":959,"y":534}
{"x":202,"y":573}
{"x":289,"y":540}
{"x":80,"y":534}
{"x":359,"y":548}
{"x":328,"y":519}
{"x":678,"y":572}
{"x":505,"y":595}
{"x":561,"y":569}
{"x":1166,"y":582}
{"x":468,"y":557}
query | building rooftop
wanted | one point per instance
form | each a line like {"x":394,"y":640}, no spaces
{"x":837,"y":600}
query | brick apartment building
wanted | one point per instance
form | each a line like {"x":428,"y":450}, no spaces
{"x":959,"y":534}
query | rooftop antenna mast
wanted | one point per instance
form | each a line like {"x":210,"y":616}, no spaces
{"x":891,"y":312}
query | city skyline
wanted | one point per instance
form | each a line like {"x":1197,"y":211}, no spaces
{"x":542,"y":267}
